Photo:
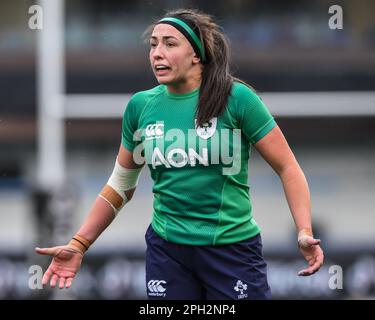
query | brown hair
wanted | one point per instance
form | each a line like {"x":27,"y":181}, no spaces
{"x":216,"y":78}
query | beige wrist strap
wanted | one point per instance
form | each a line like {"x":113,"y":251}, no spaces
{"x":79,"y":243}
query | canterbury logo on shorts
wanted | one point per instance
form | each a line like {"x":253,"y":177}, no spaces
{"x":157,"y":288}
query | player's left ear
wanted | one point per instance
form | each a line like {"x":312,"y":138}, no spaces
{"x":196,"y":59}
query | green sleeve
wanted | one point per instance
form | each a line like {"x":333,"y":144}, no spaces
{"x":255,"y":118}
{"x":129,"y":125}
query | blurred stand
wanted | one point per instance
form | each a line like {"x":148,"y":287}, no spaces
{"x":54,"y":211}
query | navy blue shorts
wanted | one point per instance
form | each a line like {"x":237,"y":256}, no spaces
{"x":228,"y":272}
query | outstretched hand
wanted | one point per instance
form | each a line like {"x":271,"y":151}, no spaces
{"x":313,"y":254}
{"x":64,"y":266}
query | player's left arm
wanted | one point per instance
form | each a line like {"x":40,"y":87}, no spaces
{"x":275,"y":150}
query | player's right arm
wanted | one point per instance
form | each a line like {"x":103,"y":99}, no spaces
{"x":115,"y":194}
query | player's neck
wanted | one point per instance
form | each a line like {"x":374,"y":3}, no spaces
{"x":184,"y":87}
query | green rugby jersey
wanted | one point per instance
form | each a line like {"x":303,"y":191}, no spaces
{"x":201,"y":191}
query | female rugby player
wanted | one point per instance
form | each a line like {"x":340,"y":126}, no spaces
{"x":194,"y":131}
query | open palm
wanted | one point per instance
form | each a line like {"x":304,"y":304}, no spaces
{"x":63,"y":267}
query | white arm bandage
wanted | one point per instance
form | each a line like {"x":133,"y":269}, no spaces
{"x":121,"y":180}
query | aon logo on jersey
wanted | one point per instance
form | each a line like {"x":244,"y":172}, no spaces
{"x":179,"y":158}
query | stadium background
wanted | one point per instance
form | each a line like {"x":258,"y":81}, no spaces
{"x":284,"y":49}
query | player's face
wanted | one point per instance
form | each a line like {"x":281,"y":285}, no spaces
{"x":172,"y":57}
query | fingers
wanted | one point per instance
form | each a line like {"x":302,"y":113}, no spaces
{"x":314,"y":266}
{"x":307,"y":241}
{"x":68,"y":282}
{"x":53,"y":280}
{"x":304,"y":273}
{"x":313,"y":242}
{"x":47,"y":251}
{"x":308,"y":271}
{"x":62,"y":283}
{"x":47,"y":275}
